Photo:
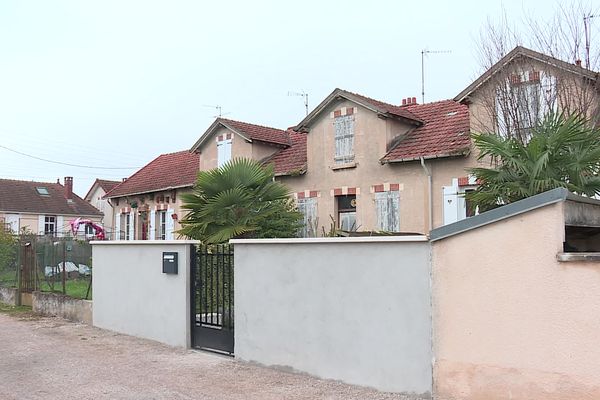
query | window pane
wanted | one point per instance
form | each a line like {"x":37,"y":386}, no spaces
{"x":348,"y":221}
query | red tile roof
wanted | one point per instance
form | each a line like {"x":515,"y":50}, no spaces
{"x":107,"y":185}
{"x":291,"y":160}
{"x":22,"y":196}
{"x":445,"y":133}
{"x":167,"y":171}
{"x":399,"y":111}
{"x":258,"y":132}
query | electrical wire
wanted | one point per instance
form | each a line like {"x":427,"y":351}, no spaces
{"x":63,"y":163}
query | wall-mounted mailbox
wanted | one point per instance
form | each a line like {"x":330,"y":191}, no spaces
{"x":169,"y":260}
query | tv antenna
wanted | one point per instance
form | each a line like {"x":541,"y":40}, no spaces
{"x":588,"y":30}
{"x":424,"y":52}
{"x":303,"y":94}
{"x":219,"y":110}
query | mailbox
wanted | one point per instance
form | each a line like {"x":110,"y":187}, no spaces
{"x":169,"y":260}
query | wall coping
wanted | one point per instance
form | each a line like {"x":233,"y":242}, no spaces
{"x":143,"y":242}
{"x":356,"y":239}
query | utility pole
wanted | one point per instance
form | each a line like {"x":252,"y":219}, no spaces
{"x":423,"y":53}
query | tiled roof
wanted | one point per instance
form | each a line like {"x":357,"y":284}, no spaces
{"x":164,"y":172}
{"x":445,"y":133}
{"x":291,"y":160}
{"x":399,"y":111}
{"x":258,"y":132}
{"x":23,"y":197}
{"x":106,"y":185}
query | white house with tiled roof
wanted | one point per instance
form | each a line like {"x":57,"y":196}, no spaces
{"x":42,"y":207}
{"x":95,"y":196}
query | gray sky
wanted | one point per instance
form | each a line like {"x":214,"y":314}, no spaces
{"x":116,"y":83}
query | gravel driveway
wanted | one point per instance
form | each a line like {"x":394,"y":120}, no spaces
{"x":50,"y":358}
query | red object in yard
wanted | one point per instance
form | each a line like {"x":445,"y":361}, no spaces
{"x":174,"y":216}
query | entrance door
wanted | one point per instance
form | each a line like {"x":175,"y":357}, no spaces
{"x":212,"y":298}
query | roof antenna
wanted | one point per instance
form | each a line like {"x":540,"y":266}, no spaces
{"x":219,"y":110}
{"x":303,"y":94}
{"x":586,"y":23}
{"x":423,"y":53}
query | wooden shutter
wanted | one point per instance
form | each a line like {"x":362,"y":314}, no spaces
{"x":117,"y":231}
{"x":132,"y":225}
{"x":152,"y":225}
{"x":41,"y":224}
{"x":387,"y":205}
{"x":169,"y":224}
{"x":450,"y":201}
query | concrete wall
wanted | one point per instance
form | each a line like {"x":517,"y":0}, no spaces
{"x":62,"y":306}
{"x":510,"y":321}
{"x":8,"y":295}
{"x":352,"y":309}
{"x":133,"y":296}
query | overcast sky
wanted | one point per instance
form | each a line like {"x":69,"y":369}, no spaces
{"x":116,"y":83}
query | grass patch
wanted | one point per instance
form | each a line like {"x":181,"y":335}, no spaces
{"x":14,"y":310}
{"x":76,"y":288}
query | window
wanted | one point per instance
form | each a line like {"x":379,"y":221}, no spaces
{"x":388,"y":211}
{"x":522,"y":101}
{"x":161,"y":218}
{"x":344,"y":139}
{"x":346,"y":206}
{"x":308,"y":208}
{"x":50,"y":225}
{"x":42,"y":191}
{"x":223,"y":152}
{"x":89,"y":231}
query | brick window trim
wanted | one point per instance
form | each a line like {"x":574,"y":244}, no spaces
{"x":386,"y":187}
{"x":221,"y":138}
{"x":307,"y":194}
{"x":344,"y":191}
{"x":343,"y":112}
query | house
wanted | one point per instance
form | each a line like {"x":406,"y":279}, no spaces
{"x":517,"y":91}
{"x":95,"y":196}
{"x":372,"y":165}
{"x":147,"y":205}
{"x":42,"y":207}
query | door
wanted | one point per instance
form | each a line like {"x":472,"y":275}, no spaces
{"x":212,"y":298}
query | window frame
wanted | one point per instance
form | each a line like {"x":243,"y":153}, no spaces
{"x":50,"y":221}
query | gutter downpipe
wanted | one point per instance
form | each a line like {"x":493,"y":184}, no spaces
{"x":429,"y":189}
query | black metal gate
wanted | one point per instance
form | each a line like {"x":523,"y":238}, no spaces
{"x":212,"y":298}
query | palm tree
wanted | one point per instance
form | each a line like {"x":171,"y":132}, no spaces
{"x":239,"y":200}
{"x":562,"y":152}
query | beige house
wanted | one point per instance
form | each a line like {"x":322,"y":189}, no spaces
{"x":95,"y":196}
{"x":43,"y":208}
{"x":147,"y":205}
{"x":375,"y":166}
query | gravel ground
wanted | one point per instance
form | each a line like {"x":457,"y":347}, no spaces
{"x":50,"y":358}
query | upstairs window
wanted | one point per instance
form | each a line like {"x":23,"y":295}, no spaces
{"x":43,"y":191}
{"x":522,"y":101}
{"x":223,"y":152}
{"x":344,"y":139}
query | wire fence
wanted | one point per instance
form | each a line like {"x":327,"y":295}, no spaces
{"x":60,"y":264}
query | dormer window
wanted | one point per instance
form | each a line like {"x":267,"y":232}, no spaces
{"x":344,"y":139}
{"x":43,"y":191}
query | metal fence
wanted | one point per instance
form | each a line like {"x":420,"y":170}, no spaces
{"x":47,"y":263}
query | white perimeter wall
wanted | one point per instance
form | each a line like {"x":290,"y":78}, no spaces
{"x":133,"y":296}
{"x":352,"y":309}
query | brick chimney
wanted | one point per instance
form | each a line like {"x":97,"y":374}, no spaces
{"x":69,"y":188}
{"x":409,"y":101}
{"x":578,"y":62}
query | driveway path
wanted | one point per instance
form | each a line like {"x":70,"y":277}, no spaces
{"x":49,"y":358}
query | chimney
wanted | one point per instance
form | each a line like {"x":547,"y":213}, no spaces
{"x":69,"y":188}
{"x":403,"y":102}
{"x":414,"y":100}
{"x":578,"y":62}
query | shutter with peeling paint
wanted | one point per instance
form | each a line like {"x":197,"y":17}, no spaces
{"x":387,"y":205}
{"x":41,"y":224}
{"x":132,"y":225}
{"x":152,"y":226}
{"x":60,"y":226}
{"x":117,"y":231}
{"x":170,"y":224}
